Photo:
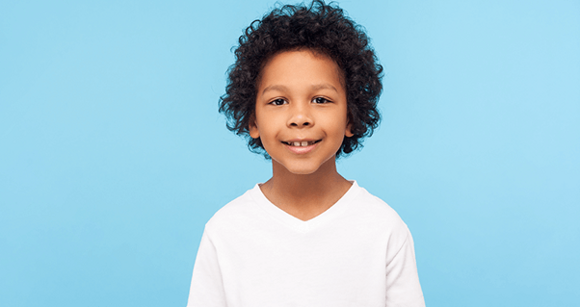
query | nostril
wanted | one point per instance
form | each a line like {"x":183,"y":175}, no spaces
{"x":299,"y":122}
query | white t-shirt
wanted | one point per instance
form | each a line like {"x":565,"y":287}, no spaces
{"x":357,"y":253}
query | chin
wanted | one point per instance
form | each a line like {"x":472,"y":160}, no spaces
{"x":303,"y":171}
{"x":303,"y":168}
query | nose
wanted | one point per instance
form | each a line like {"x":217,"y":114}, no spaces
{"x":300,"y":117}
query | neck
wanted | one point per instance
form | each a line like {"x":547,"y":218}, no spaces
{"x":305,"y":195}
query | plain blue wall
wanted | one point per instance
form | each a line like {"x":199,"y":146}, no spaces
{"x":113,"y":154}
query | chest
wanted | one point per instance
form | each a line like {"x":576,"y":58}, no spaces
{"x":345,"y":264}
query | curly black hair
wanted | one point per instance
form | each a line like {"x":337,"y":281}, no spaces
{"x":321,"y":28}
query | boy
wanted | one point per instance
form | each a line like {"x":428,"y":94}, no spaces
{"x":304,"y":88}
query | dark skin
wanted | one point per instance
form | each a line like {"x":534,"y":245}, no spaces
{"x":305,"y":196}
{"x":301,"y":120}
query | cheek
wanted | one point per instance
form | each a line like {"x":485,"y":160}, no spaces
{"x":338,"y":126}
{"x":266,"y":133}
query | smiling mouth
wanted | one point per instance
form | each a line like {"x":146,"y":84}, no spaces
{"x":301,"y":144}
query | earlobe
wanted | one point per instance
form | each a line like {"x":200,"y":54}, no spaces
{"x":254,"y":133}
{"x":348,"y":133}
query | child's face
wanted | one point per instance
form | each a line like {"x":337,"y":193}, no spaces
{"x":301,"y":110}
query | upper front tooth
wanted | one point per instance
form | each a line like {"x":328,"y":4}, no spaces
{"x":304,"y":143}
{"x":296,"y":144}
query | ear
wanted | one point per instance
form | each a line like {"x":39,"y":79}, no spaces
{"x":253,"y":128}
{"x":348,"y":133}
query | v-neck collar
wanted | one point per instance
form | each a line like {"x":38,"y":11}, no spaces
{"x":296,"y":223}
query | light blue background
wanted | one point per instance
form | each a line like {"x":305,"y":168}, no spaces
{"x":113,"y":154}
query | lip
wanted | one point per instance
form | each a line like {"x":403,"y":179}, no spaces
{"x":300,"y":150}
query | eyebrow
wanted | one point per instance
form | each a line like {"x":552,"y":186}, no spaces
{"x":314,"y":87}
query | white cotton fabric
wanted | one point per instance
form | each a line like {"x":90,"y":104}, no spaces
{"x":357,"y":253}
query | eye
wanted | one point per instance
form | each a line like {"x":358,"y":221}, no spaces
{"x":278,"y":102}
{"x":320,"y":100}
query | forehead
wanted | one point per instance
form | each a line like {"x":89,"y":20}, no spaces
{"x":300,"y":67}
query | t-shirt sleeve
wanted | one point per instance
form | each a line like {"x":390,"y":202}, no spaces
{"x":403,"y":288}
{"x":206,"y":285}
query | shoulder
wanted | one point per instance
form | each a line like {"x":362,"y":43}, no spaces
{"x":376,"y":216}
{"x":235,"y":214}
{"x":372,"y":208}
